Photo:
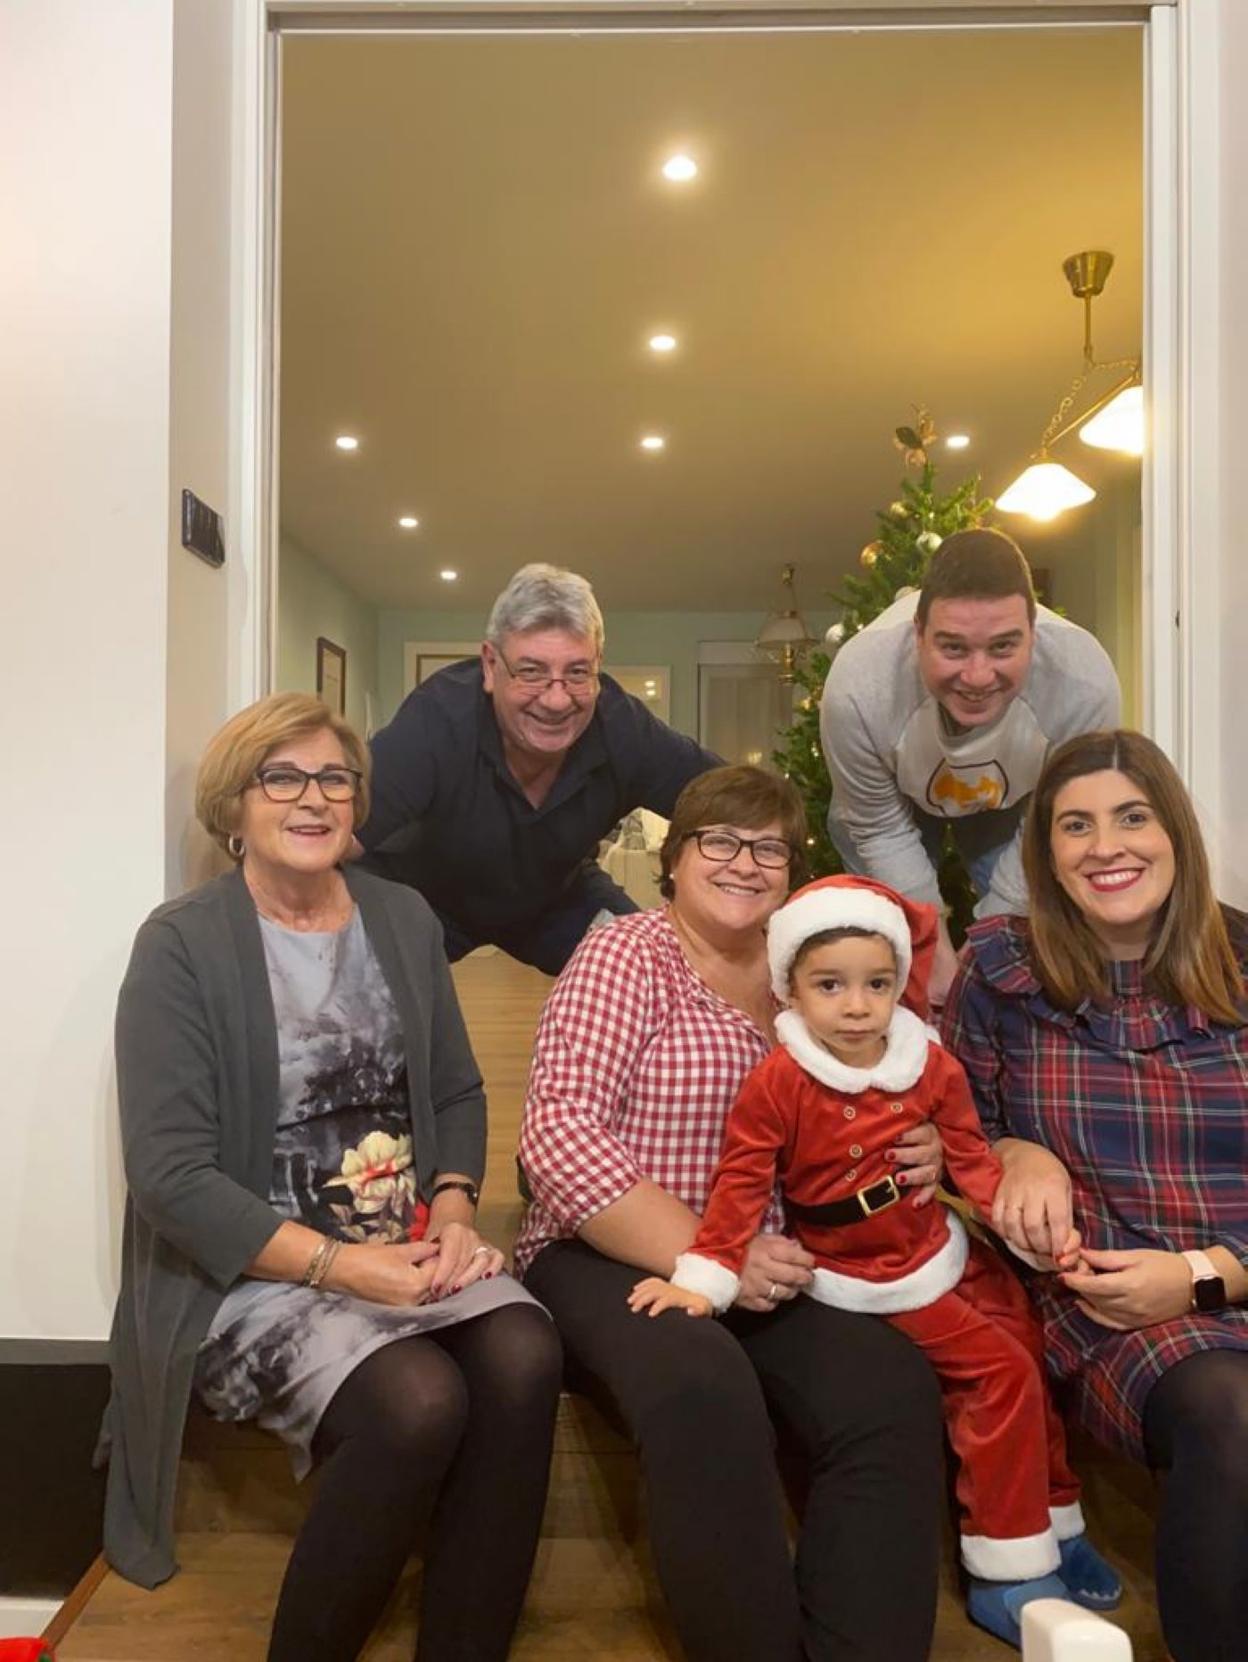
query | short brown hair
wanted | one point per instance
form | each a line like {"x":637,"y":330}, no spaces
{"x":1189,"y":960}
{"x":979,"y":564}
{"x":746,"y":796}
{"x":237,"y":750}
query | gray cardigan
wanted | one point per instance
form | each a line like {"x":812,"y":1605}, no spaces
{"x":197,"y":1077}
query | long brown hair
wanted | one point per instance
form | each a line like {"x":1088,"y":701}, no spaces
{"x":1189,"y":960}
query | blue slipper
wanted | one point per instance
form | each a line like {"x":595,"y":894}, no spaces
{"x":995,"y":1605}
{"x":1090,"y":1581}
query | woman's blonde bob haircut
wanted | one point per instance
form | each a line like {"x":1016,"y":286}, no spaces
{"x":237,"y":751}
{"x":1189,"y":960}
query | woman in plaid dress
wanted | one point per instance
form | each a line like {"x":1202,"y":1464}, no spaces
{"x":643,"y":1045}
{"x":1106,"y":1040}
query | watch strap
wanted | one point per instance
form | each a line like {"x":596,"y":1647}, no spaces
{"x":461,"y":1184}
{"x":1204,"y":1270}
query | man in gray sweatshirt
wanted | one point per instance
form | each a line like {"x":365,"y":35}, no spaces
{"x":942,"y":710}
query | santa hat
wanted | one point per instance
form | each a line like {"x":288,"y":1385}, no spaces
{"x":845,"y":902}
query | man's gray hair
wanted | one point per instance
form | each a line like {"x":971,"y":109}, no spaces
{"x":546,"y":597}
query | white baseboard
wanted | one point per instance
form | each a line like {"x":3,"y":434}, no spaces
{"x":26,"y":1618}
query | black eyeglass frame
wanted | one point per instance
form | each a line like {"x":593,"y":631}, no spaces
{"x":572,"y":688}
{"x":354,"y":774}
{"x":752,"y":843}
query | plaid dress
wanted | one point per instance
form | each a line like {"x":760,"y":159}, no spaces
{"x":1146,"y":1105}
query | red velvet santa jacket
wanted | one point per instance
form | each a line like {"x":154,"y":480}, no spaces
{"x":821,"y":1129}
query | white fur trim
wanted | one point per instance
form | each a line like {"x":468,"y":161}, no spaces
{"x":834,"y":908}
{"x":1067,"y":1521}
{"x":900,"y":1067}
{"x":908,"y":1292}
{"x":708,"y":1277}
{"x":1017,"y":1558}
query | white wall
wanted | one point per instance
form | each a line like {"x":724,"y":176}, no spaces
{"x":85,"y":166}
{"x":312,"y":602}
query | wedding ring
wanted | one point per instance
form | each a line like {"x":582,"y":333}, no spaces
{"x":476,"y":1250}
{"x":773,"y":1293}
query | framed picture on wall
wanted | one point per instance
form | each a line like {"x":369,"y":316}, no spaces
{"x":331,"y":674}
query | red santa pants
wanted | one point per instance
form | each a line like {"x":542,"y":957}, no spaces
{"x":985,"y":1344}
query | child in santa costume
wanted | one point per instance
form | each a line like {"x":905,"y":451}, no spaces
{"x":853,"y":1068}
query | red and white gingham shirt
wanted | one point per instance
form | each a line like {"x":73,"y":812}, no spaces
{"x":635,"y":1067}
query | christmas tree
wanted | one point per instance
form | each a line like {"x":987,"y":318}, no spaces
{"x":909,"y":531}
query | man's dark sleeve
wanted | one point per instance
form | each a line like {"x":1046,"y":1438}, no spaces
{"x":405,"y":770}
{"x":664,"y":762}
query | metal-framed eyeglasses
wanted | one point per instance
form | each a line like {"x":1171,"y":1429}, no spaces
{"x":284,"y":782}
{"x":580,"y":679}
{"x":722,"y":846}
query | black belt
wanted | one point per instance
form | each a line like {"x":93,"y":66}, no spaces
{"x":835,"y":1214}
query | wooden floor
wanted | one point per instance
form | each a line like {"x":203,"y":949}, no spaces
{"x":593,"y":1594}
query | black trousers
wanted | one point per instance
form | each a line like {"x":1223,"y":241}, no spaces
{"x":699,"y":1397}
{"x":1196,"y":1438}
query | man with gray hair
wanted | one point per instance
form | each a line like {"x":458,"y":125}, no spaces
{"x":497,"y":779}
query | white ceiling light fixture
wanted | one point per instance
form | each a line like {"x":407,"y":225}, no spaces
{"x":784,"y":637}
{"x":957,"y":441}
{"x":448,"y":576}
{"x":680,"y":169}
{"x":347,"y":441}
{"x":408,"y":522}
{"x":653,"y":442}
{"x":662,"y":343}
{"x":1046,"y":488}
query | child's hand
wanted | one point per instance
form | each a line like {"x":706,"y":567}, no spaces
{"x":657,"y":1295}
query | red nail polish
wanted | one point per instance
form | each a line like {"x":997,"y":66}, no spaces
{"x":902,"y":1179}
{"x":889,"y":1155}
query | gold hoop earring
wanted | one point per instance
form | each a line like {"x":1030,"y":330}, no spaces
{"x":235,"y":845}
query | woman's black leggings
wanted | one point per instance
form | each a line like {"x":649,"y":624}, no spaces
{"x":452,"y":1430}
{"x":1196,"y":1437}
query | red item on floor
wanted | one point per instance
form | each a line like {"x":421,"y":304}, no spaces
{"x":25,"y":1650}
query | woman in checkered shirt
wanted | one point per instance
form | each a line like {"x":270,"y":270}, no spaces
{"x":642,"y":1047}
{"x":1106,"y":1040}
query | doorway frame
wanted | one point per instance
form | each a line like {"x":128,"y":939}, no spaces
{"x":1180,"y":334}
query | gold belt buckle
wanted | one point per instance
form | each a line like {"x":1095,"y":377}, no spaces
{"x":892,"y":1194}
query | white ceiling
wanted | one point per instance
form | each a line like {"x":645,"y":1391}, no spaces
{"x":476,"y":244}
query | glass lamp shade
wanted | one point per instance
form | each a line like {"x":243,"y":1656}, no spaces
{"x":783,"y":629}
{"x":1044,"y":490}
{"x":1120,"y":425}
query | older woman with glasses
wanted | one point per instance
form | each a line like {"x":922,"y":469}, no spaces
{"x":643,"y":1044}
{"x":304,"y":1132}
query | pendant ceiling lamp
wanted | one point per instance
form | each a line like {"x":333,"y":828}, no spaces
{"x":1113,"y":421}
{"x":784,"y":637}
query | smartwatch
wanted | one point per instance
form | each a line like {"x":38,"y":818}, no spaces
{"x":474,"y":1194}
{"x":1208,"y":1287}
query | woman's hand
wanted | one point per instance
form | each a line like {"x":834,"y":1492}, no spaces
{"x":656,"y":1295}
{"x":1131,"y":1289}
{"x":463,"y":1257}
{"x":775,"y":1269}
{"x":917,"y":1158}
{"x":1032,"y":1210}
{"x":399,"y":1273}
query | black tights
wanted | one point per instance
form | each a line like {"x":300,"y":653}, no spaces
{"x":1196,"y":1437}
{"x":452,"y":1430}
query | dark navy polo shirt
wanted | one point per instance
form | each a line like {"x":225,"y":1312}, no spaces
{"x":451,"y":821}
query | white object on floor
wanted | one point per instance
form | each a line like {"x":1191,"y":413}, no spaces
{"x":25,"y":1618}
{"x":1055,"y":1630}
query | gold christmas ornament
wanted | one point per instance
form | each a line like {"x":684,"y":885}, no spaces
{"x":914,"y":442}
{"x":898,"y":510}
{"x":870,"y":554}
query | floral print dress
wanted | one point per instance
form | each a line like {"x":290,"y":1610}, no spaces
{"x":342,"y":1164}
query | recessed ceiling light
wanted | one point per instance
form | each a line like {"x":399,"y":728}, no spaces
{"x":957,"y":441}
{"x":448,"y":576}
{"x":347,"y":441}
{"x":680,"y":168}
{"x":408,"y":522}
{"x":662,"y":343}
{"x":653,"y":441}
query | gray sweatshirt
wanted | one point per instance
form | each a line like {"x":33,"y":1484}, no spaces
{"x":888,"y":750}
